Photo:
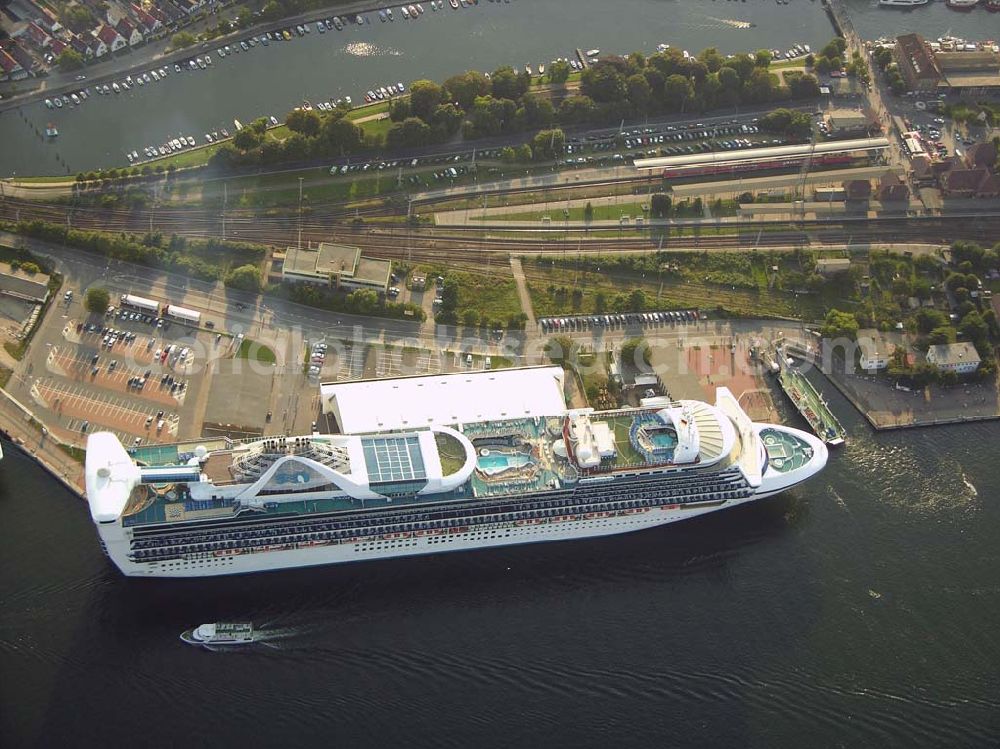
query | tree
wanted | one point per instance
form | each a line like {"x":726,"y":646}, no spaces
{"x":303,"y":121}
{"x":97,"y":300}
{"x":340,"y":135}
{"x":762,"y":58}
{"x":576,"y":110}
{"x":639,"y":92}
{"x":974,"y":328}
{"x":677,"y":92}
{"x":506,"y":84}
{"x":942,"y":334}
{"x":69,"y":59}
{"x":588,"y":212}
{"x":561,"y":350}
{"x":399,"y":109}
{"x":559,"y":71}
{"x":839,"y":325}
{"x":928,"y":318}
{"x":245,"y":277}
{"x":410,"y":133}
{"x":246,"y":139}
{"x":465,"y":87}
{"x":446,"y":120}
{"x":603,"y":83}
{"x":182,"y":39}
{"x":424,"y":97}
{"x":637,"y":300}
{"x":632,"y":350}
{"x":77,"y":17}
{"x":548,"y":144}
{"x":659,"y":205}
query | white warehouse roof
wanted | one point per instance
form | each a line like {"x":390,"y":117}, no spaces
{"x":444,"y":399}
{"x":723,"y":158}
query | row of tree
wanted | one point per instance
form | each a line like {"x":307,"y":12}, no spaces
{"x":205,"y":259}
{"x":502,"y":103}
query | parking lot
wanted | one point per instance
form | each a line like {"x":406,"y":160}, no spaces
{"x":81,"y":410}
{"x":126,"y":372}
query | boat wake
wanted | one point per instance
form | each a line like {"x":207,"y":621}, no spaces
{"x":734,"y":23}
{"x":367,"y":49}
{"x":971,"y":487}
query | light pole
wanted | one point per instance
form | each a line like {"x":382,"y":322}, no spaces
{"x":300,"y":213}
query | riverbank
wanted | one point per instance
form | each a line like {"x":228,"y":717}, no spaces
{"x":20,"y":426}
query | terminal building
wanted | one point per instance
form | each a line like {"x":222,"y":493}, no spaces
{"x":419,"y":402}
{"x":336,"y":265}
{"x":930,"y":70}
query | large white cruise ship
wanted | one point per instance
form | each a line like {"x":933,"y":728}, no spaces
{"x":514,"y":477}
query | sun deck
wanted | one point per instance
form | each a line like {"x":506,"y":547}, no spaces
{"x":486,"y":459}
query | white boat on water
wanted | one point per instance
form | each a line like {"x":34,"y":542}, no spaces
{"x":901,"y":3}
{"x":220,"y":633}
{"x":593,"y":52}
{"x":238,"y":125}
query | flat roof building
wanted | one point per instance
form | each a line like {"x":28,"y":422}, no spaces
{"x":444,"y":399}
{"x":337,"y":265}
{"x":961,"y":358}
{"x":848,"y":120}
{"x":33,"y":287}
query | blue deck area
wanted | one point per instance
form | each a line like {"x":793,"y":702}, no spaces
{"x":785,"y":452}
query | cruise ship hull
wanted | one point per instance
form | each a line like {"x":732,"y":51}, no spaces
{"x":280,"y":503}
{"x":408,"y":545}
{"x":607,"y":522}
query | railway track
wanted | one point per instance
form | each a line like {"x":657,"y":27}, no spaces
{"x":472,"y":245}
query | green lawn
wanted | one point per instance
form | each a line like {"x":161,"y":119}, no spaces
{"x":557,"y":213}
{"x":251,"y":350}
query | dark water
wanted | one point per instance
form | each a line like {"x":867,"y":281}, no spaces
{"x":860,"y":610}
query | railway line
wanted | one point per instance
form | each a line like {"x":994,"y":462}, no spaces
{"x":461,"y":245}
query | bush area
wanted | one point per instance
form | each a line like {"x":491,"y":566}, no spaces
{"x":731,"y":283}
{"x":942,"y":291}
{"x":205,"y":259}
{"x":478,"y":300}
{"x":359,"y":302}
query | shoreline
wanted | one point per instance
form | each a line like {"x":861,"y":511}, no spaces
{"x":47,"y":452}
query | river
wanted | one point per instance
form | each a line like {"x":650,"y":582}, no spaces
{"x":858,"y":610}
{"x":273,"y":79}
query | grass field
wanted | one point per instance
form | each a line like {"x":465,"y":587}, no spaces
{"x":251,"y":350}
{"x":561,"y":290}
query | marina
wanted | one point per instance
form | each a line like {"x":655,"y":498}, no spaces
{"x":247,"y":83}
